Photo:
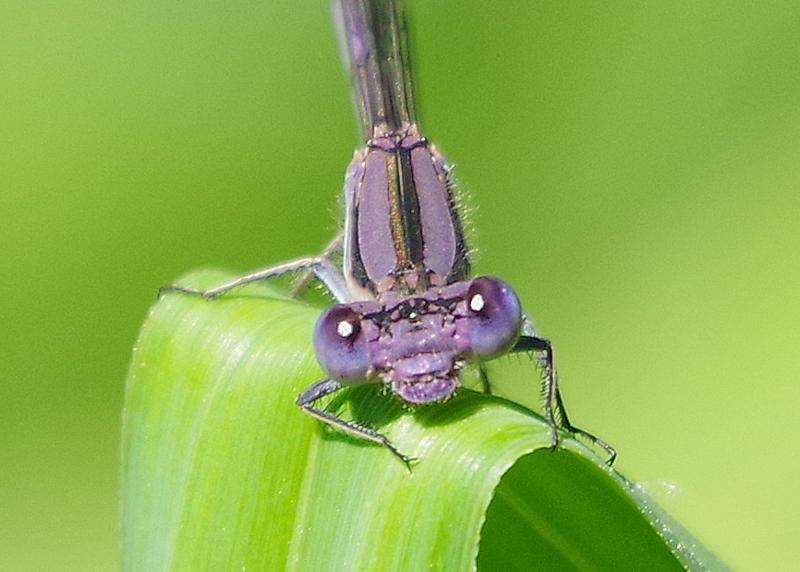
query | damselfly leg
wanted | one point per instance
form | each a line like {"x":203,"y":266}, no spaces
{"x":555,"y":411}
{"x":320,"y":266}
{"x":328,"y":386}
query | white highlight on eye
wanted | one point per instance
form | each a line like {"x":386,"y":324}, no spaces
{"x":476,"y":303}
{"x":345,"y":329}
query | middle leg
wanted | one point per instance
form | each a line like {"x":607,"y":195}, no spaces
{"x":327,"y":273}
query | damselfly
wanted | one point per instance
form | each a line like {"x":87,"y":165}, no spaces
{"x":408,"y":315}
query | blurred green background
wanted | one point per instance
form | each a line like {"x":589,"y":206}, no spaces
{"x":634,"y":170}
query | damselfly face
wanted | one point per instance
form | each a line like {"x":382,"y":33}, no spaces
{"x":418,"y":344}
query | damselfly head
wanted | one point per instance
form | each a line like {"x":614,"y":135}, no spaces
{"x":417,"y":345}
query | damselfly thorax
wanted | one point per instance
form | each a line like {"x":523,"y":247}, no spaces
{"x":402,"y":232}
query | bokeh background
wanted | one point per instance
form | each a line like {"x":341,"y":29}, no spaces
{"x":634,"y":169}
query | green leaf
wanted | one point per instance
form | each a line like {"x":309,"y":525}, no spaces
{"x":221,"y":471}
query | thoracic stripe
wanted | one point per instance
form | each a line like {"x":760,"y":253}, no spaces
{"x":411,"y":241}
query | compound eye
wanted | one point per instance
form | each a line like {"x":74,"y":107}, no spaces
{"x":340,"y":345}
{"x":495,"y":317}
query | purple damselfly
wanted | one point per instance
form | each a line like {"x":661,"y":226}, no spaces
{"x":408,"y":315}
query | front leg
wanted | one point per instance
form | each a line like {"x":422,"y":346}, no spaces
{"x":327,"y":386}
{"x":554,"y":408}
